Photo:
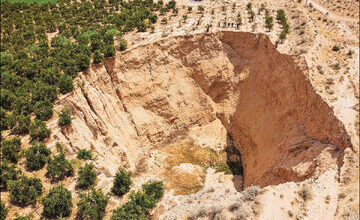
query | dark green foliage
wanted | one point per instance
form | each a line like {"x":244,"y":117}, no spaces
{"x":8,"y":172}
{"x":36,"y":156}
{"x":25,"y":190}
{"x":269,"y":21}
{"x":3,"y":211}
{"x":92,"y":205}
{"x":19,"y":123}
{"x":57,"y":203}
{"x":44,"y":110}
{"x":98,"y":57}
{"x":10,"y":149}
{"x":122,"y":182}
{"x":39,"y":131}
{"x":58,"y":167}
{"x":281,"y":16}
{"x":64,"y":117}
{"x":141,"y":202}
{"x":86,"y":176}
{"x":65,"y":84}
{"x":84,"y":154}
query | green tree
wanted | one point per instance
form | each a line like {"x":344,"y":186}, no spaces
{"x":8,"y":172}
{"x":123,"y":44}
{"x":98,"y":57}
{"x":86,"y":176}
{"x":44,"y":110}
{"x":39,"y":131}
{"x":36,"y":156}
{"x":57,"y":203}
{"x":25,"y":190}
{"x":59,"y":167}
{"x":10,"y":149}
{"x":122,"y":182}
{"x":84,"y":154}
{"x":269,"y":20}
{"x":92,"y":204}
{"x":65,"y":84}
{"x":65,"y":117}
{"x":109,"y":51}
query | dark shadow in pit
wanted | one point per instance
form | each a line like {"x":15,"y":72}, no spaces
{"x":234,"y":163}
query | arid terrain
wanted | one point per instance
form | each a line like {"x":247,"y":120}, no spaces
{"x":238,"y":123}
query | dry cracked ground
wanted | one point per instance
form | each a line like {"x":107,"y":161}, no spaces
{"x":188,"y":99}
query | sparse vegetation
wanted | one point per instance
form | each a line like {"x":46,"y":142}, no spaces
{"x":122,"y":182}
{"x":86,"y":176}
{"x":57,"y":203}
{"x":92,"y":204}
{"x":25,"y":190}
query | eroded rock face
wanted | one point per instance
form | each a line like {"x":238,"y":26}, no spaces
{"x":155,"y":94}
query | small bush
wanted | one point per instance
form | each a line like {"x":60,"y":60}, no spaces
{"x":23,"y":217}
{"x":154,"y":189}
{"x":39,"y":131}
{"x":36,"y":156}
{"x":10,"y":150}
{"x":122,"y":182}
{"x":336,"y":48}
{"x":109,"y":51}
{"x":92,"y":204}
{"x":25,"y":190}
{"x":8,"y":172}
{"x":84,"y":154}
{"x":57,"y":203}
{"x":64,"y":117}
{"x":3,"y":211}
{"x":59,"y":167}
{"x":306,"y":193}
{"x":98,"y":57}
{"x":123,"y":44}
{"x":86,"y":176}
{"x":250,"y":193}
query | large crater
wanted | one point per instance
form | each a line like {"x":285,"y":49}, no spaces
{"x":263,"y":99}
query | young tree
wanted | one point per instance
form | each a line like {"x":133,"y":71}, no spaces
{"x":57,"y":203}
{"x":3,"y":211}
{"x":122,"y":182}
{"x":109,"y":51}
{"x":123,"y":44}
{"x":269,"y":20}
{"x":36,"y":156}
{"x":39,"y":131}
{"x":64,"y":117}
{"x":92,"y":204}
{"x":25,"y":190}
{"x":86,"y":176}
{"x":10,"y":149}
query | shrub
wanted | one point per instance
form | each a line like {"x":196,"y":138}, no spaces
{"x":281,"y":16}
{"x":84,"y":154}
{"x":189,"y":9}
{"x":8,"y":172}
{"x":336,"y":48}
{"x":122,"y":182}
{"x":269,"y":20}
{"x":141,"y":202}
{"x":122,"y":44}
{"x":86,"y":176}
{"x":57,"y":203}
{"x":36,"y":156}
{"x":10,"y":149}
{"x":25,"y":190}
{"x":306,"y":193}
{"x":59,"y":167}
{"x":92,"y":204}
{"x":23,"y":217}
{"x":39,"y":130}
{"x":3,"y":211}
{"x":109,"y":51}
{"x":250,"y":193}
{"x":44,"y":110}
{"x":64,"y":117}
